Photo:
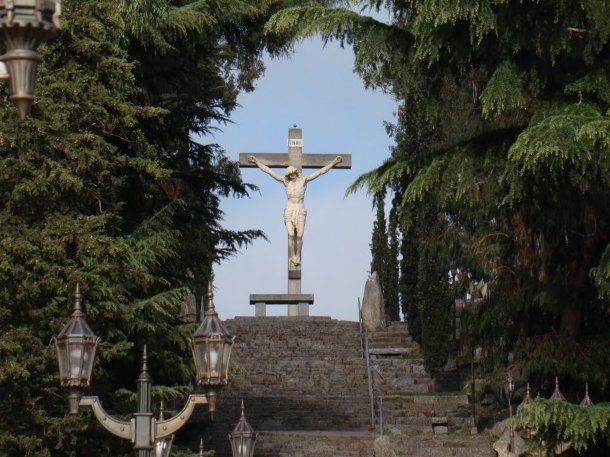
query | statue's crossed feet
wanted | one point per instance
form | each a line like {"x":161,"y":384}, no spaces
{"x":295,"y":261}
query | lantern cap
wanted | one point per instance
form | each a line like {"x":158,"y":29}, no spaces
{"x":557,"y":395}
{"x":587,"y":400}
{"x":77,"y":326}
{"x":243,"y":426}
{"x":211,"y":323}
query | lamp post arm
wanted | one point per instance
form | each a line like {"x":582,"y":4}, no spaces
{"x":122,"y":429}
{"x":172,"y":425}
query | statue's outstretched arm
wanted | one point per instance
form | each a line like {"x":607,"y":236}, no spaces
{"x":324,"y":169}
{"x":266,"y":169}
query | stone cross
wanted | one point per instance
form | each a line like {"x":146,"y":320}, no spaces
{"x":298,"y":303}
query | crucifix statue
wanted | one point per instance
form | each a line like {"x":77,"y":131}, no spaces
{"x":295,"y":212}
{"x":295,"y":183}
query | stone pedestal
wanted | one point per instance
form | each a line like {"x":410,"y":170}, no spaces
{"x":298,"y":303}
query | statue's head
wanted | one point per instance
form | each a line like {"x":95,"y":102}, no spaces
{"x":291,"y":173}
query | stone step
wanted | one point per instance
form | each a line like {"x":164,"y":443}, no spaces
{"x":384,"y":351}
{"x":450,"y":445}
{"x":314,"y":444}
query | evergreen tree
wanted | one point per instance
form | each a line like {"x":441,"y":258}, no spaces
{"x":379,"y":244}
{"x":503,"y":139}
{"x":434,"y":303}
{"x":392,"y":300}
{"x":104,"y":185}
{"x":409,"y":261}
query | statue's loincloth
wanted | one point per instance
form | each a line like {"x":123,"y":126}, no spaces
{"x":295,"y":213}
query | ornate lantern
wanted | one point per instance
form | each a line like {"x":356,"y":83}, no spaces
{"x":211,"y":345}
{"x":163,"y":446}
{"x":587,"y":400}
{"x":76,"y":345}
{"x":24,"y":24}
{"x":557,"y":395}
{"x":243,"y":437}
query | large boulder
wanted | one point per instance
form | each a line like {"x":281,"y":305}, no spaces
{"x":382,"y":447}
{"x":373,"y":308}
{"x":503,"y":447}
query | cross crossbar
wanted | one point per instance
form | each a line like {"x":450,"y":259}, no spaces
{"x":281,"y":160}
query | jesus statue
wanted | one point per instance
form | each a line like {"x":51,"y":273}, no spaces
{"x":295,"y":213}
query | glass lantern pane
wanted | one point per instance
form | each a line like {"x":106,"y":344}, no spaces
{"x":199,"y":353}
{"x":214,"y":353}
{"x":76,"y":360}
{"x":88,"y":359}
{"x":226,"y":356}
{"x":62,"y":358}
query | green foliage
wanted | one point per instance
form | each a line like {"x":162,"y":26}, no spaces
{"x":434,"y":302}
{"x":392,"y":300}
{"x":106,"y":186}
{"x":379,"y":242}
{"x":409,"y":260}
{"x":504,"y":91}
{"x":556,"y":422}
{"x":503,"y":153}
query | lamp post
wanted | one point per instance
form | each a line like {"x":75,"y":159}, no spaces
{"x":242,"y":437}
{"x":76,"y":346}
{"x":24,"y":24}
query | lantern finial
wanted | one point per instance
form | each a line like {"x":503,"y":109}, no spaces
{"x":243,"y":413}
{"x":144,"y":375}
{"x":78,"y":297}
{"x":201,"y":447}
{"x":210,"y":310}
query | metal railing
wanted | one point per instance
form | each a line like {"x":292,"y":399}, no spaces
{"x":375,"y":394}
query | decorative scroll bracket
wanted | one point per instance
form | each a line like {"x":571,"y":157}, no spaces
{"x":158,"y":430}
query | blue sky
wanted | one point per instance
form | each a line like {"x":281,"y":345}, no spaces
{"x":317,"y":90}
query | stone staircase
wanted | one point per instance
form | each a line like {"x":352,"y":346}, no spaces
{"x":419,"y":422}
{"x":304,"y":384}
{"x":326,"y":443}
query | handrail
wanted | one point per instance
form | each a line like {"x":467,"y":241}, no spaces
{"x":375,"y":393}
{"x":360,"y":323}
{"x":369,"y":376}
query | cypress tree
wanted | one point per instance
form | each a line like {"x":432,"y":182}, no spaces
{"x":379,"y":244}
{"x":392,"y":300}
{"x":408,"y":278}
{"x":434,"y":304}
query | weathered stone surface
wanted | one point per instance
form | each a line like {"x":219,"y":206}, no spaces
{"x":417,"y":423}
{"x":314,"y":443}
{"x":503,"y":445}
{"x":304,"y":383}
{"x":373,"y":308}
{"x":281,"y":299}
{"x":188,"y":309}
{"x":296,"y":376}
{"x":383,"y":448}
